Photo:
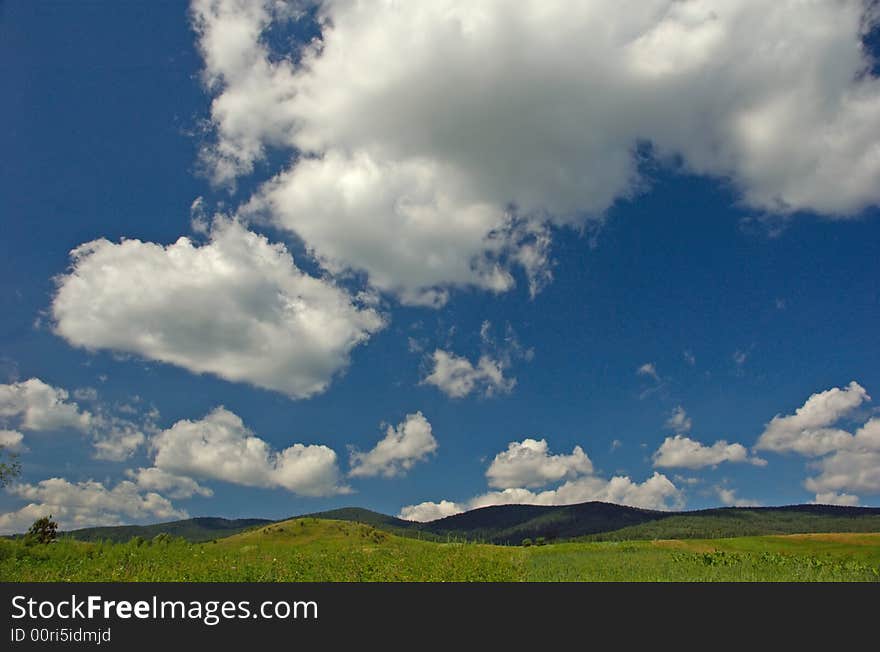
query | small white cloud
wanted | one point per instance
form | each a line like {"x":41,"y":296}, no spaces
{"x":679,"y":422}
{"x":12,"y":441}
{"x":648,"y":369}
{"x":457,"y":377}
{"x":689,"y":358}
{"x":740,"y":357}
{"x":529,"y":464}
{"x":220,"y":447}
{"x":402,"y":447}
{"x":85,"y":394}
{"x":428,"y":511}
{"x":729,"y":498}
{"x":683,"y":452}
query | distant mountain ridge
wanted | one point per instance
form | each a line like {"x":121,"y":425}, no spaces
{"x":201,"y":528}
{"x":511,"y":524}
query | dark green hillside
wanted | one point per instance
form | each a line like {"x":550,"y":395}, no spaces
{"x":202,"y":528}
{"x":749,"y":521}
{"x":510,"y":524}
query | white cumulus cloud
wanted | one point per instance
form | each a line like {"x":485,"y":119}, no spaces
{"x":41,"y":407}
{"x":174,"y":486}
{"x":529,"y":464}
{"x":683,"y":452}
{"x":221,"y":447}
{"x":845,"y":462}
{"x":11,"y":440}
{"x":809,"y":430}
{"x":411,"y":441}
{"x":437,"y":139}
{"x":236,"y":307}
{"x":456,"y":376}
{"x":430,"y":511}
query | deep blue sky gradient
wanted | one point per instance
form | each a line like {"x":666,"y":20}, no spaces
{"x":101,"y":110}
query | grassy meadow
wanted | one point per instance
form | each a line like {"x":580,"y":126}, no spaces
{"x":308,"y":549}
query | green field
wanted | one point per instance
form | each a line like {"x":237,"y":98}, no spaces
{"x":309,"y":549}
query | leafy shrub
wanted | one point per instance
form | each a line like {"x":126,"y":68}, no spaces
{"x":43,"y":531}
{"x":526,"y":542}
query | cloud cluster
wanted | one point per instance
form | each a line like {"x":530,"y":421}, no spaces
{"x":411,"y":441}
{"x":87,"y":503}
{"x":656,"y":492}
{"x":683,"y":452}
{"x":529,"y":464}
{"x":437,"y":140}
{"x":846,"y":462}
{"x":220,"y":447}
{"x":236,"y":307}
{"x":40,"y":407}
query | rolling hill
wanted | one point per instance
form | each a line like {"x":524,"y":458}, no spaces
{"x":510,"y":524}
{"x":203,"y":528}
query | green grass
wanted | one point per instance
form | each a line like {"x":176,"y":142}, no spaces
{"x":714,"y":524}
{"x":311,"y":549}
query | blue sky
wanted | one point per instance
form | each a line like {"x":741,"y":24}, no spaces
{"x":488,"y":253}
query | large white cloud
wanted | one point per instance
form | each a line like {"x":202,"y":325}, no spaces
{"x":237,"y":307}
{"x":428,"y":131}
{"x":221,"y":447}
{"x":683,"y":452}
{"x":809,"y":430}
{"x":88,"y":503}
{"x":456,"y":376}
{"x":402,"y":447}
{"x":529,"y":464}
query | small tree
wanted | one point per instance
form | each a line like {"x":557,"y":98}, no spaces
{"x":9,"y":468}
{"x":540,"y":541}
{"x":43,"y":531}
{"x":526,"y":542}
